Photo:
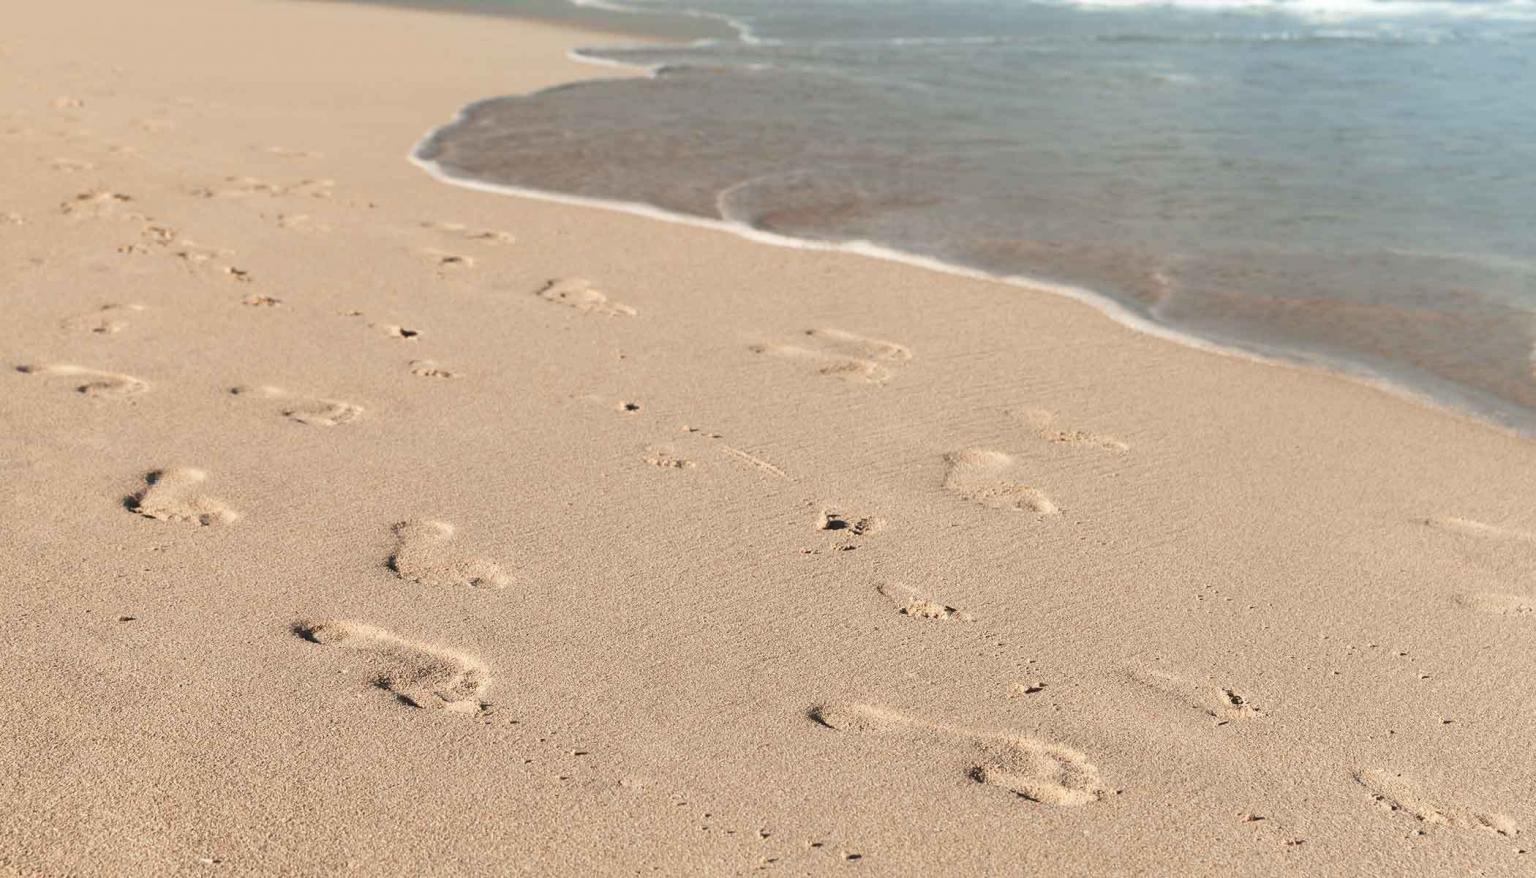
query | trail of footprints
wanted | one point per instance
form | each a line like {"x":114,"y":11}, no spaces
{"x":427,"y":552}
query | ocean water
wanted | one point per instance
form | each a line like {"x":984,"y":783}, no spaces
{"x":1350,"y":183}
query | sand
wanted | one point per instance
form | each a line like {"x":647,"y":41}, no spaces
{"x":359,"y":523}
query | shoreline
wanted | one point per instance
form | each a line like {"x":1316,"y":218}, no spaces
{"x":1450,"y":399}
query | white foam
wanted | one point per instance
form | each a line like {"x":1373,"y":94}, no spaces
{"x":1335,"y":10}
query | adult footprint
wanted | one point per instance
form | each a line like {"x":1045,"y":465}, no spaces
{"x":1482,"y":530}
{"x":910,"y":602}
{"x":416,"y":674}
{"x":1221,"y":703}
{"x":1498,"y":603}
{"x":983,"y":476}
{"x":578,"y":293}
{"x":304,"y":410}
{"x":90,"y":382}
{"x":174,"y":495}
{"x":1039,"y":771}
{"x":106,"y":320}
{"x":1400,"y":795}
{"x":1046,"y":425}
{"x":425,"y":553}
{"x":840,"y":354}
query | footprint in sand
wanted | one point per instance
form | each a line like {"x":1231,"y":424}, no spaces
{"x":106,"y":320}
{"x":664,"y":457}
{"x":1221,"y":703}
{"x":848,"y":525}
{"x":416,"y":674}
{"x":425,"y":553}
{"x":909,"y":602}
{"x":578,"y":293}
{"x":1397,"y":794}
{"x":982,"y":476}
{"x":312,"y":412}
{"x":1045,"y":425}
{"x":242,"y":187}
{"x":90,"y":382}
{"x":459,"y":230}
{"x":289,"y":153}
{"x":174,"y":495}
{"x":68,"y":165}
{"x":1481,"y":530}
{"x":446,"y":261}
{"x":396,"y":331}
{"x":430,"y":369}
{"x":1498,"y":603}
{"x":99,"y":204}
{"x":844,"y":355}
{"x":1038,"y":771}
{"x":300,"y":222}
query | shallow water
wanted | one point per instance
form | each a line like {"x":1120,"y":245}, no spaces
{"x":1346,"y":182}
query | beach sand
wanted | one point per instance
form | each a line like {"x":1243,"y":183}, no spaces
{"x":359,"y":523}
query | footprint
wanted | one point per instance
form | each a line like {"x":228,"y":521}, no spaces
{"x":288,"y":153}
{"x":909,"y":603}
{"x":90,"y":381}
{"x":300,"y":222}
{"x":459,"y":230}
{"x":844,"y":355}
{"x":172,"y":495}
{"x":106,"y":320}
{"x":1220,"y":703}
{"x":1401,"y":796}
{"x":1038,"y":771}
{"x":1481,"y":530}
{"x":978,"y":475}
{"x":577,"y":292}
{"x":394,"y":331}
{"x":847,"y":524}
{"x":445,"y":260}
{"x":416,"y":674}
{"x":666,"y":458}
{"x":98,"y":204}
{"x":240,"y":187}
{"x":312,"y":412}
{"x":1498,"y":603}
{"x":1044,"y":424}
{"x":68,"y":165}
{"x":424,"y":554}
{"x":430,"y":369}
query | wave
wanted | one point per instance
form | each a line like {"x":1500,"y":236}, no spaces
{"x":1332,"y":10}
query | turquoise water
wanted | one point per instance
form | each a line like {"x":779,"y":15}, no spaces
{"x":1347,"y":182}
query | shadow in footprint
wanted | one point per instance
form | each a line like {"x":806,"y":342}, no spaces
{"x":417,"y":674}
{"x":1037,"y":771}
